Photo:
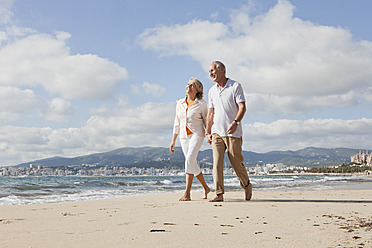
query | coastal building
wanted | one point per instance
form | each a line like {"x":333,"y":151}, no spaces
{"x":364,"y":158}
{"x":37,"y":170}
{"x":264,"y":169}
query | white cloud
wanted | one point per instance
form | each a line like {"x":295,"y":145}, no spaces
{"x":147,"y":119}
{"x":177,"y":39}
{"x":14,"y":102}
{"x":136,"y":89}
{"x":295,"y":134}
{"x":31,"y":61}
{"x":45,"y":60}
{"x":58,"y":110}
{"x":150,"y":124}
{"x":285,"y":105}
{"x":6,"y":15}
{"x":367,"y":93}
{"x":24,"y":144}
{"x":285,"y":64}
{"x":214,"y":16}
{"x":154,"y":90}
{"x":275,"y":55}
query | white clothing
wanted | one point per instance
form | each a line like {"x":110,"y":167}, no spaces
{"x":190,"y":147}
{"x":194,"y":118}
{"x":225,"y":105}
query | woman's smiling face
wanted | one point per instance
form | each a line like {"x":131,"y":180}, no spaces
{"x":190,"y":87}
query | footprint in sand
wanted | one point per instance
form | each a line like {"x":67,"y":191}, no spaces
{"x":68,"y":214}
{"x":157,"y":230}
{"x":169,"y":224}
{"x":10,"y":221}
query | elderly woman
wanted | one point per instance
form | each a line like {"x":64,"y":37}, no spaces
{"x":189,"y":124}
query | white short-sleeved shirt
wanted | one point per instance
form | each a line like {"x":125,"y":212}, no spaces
{"x":225,"y":104}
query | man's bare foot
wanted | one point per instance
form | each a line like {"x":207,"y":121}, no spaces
{"x":206,"y":193}
{"x":218,"y":198}
{"x":185,"y":198}
{"x":248,"y":192}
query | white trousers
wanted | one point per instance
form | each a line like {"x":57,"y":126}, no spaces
{"x":190,"y":147}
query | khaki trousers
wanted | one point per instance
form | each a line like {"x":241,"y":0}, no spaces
{"x":234,"y":152}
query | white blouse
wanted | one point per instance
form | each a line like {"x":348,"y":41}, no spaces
{"x":194,"y":118}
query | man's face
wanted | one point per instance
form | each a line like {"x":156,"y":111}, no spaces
{"x":214,"y":73}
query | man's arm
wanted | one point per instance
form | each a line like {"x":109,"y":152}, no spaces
{"x":210,"y":117}
{"x":239,"y":116}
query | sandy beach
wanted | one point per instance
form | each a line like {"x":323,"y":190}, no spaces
{"x":336,"y":218}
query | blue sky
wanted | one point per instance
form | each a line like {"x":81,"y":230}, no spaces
{"x":79,"y":77}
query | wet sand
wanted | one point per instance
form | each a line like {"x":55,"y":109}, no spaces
{"x":332,"y":218}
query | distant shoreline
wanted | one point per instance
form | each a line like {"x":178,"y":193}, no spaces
{"x":318,"y":174}
{"x":180,"y":175}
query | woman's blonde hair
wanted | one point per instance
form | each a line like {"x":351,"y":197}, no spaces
{"x":199,"y":88}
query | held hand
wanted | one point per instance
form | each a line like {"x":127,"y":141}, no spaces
{"x":171,"y":148}
{"x":209,"y":139}
{"x":232,"y":128}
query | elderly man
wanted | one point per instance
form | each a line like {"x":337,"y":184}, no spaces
{"x":224,"y":132}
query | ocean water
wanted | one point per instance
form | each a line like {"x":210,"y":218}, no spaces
{"x":33,"y":190}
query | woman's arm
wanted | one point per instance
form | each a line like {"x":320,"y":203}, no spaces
{"x":204,"y":113}
{"x":176,"y":129}
{"x":173,"y":143}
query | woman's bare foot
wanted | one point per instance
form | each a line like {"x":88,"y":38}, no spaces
{"x":218,"y":198}
{"x":206,"y":193}
{"x":185,"y":198}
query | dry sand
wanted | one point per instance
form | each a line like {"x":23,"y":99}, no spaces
{"x":338,"y":218}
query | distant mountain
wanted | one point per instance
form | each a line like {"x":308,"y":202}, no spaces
{"x":160,"y":157}
{"x":310,"y":156}
{"x":122,"y":156}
